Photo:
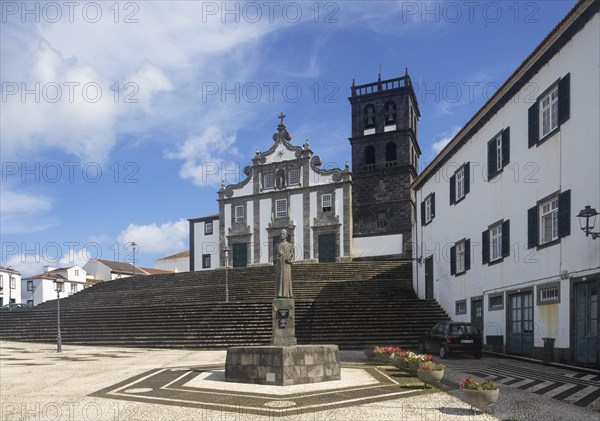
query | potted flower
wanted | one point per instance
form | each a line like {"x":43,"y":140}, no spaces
{"x":479,"y":395}
{"x":386,"y":353}
{"x":413,"y":360}
{"x":430,"y":372}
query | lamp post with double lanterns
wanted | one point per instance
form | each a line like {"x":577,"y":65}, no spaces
{"x":226,"y":251}
{"x":59,"y":285}
{"x":587,"y":220}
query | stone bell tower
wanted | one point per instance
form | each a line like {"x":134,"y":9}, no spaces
{"x":385,"y":153}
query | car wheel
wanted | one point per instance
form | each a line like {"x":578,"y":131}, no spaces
{"x":422,"y":347}
{"x":477,"y":355}
{"x":443,"y":352}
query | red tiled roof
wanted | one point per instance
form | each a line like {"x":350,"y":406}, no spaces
{"x":154,"y":271}
{"x":176,"y":256}
{"x":123,"y":267}
{"x":46,"y":275}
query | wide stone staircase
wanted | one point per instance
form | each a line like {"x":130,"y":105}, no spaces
{"x":352,"y":305}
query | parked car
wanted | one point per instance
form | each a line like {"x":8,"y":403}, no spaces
{"x":449,"y":337}
{"x":14,"y":306}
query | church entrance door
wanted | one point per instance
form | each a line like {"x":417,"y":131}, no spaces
{"x":326,"y":248}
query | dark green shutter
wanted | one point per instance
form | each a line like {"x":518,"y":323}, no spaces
{"x":534,"y":124}
{"x":505,"y":147}
{"x":467,"y":177}
{"x":491,"y":150}
{"x":564,"y":100}
{"x":467,"y":255}
{"x":452,"y":189}
{"x":532,"y":227}
{"x":423,"y":212}
{"x":432,"y":205}
{"x":506,"y":238}
{"x":485,"y":246}
{"x":564,"y":213}
{"x":453,"y":260}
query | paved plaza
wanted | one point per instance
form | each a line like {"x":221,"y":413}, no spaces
{"x":111,"y":383}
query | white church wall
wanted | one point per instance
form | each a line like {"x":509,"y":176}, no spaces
{"x":265,"y":220}
{"x":298,"y":218}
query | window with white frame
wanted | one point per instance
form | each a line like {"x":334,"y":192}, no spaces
{"x":294,"y":176}
{"x":326,"y":202}
{"x":549,"y":112}
{"x":281,"y":208}
{"x":73,"y":288}
{"x":496,"y":302}
{"x":268,"y":181}
{"x":460,"y":257}
{"x":499,"y":157}
{"x":460,"y":184}
{"x":29,"y":285}
{"x":549,"y":293}
{"x":549,"y":221}
{"x":76,"y":272}
{"x":461,"y":307}
{"x":496,"y":242}
{"x":13,"y":282}
{"x":1,"y":281}
{"x":208,"y":228}
{"x":206,"y":261}
{"x":239,"y":214}
{"x":428,"y":208}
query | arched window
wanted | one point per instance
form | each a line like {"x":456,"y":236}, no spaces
{"x":369,"y":116}
{"x":390,"y":152}
{"x":370,"y":155}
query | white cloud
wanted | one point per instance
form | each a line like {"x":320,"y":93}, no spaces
{"x":165,"y":239}
{"x":204,"y":157}
{"x":447,"y":137}
{"x":24,"y":212}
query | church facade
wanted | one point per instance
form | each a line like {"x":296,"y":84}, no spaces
{"x":331,"y":215}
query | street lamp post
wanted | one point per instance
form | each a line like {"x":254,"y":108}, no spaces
{"x":133,"y":246}
{"x":587,"y":220}
{"x":226,"y":250}
{"x":10,"y":279}
{"x":59,"y":283}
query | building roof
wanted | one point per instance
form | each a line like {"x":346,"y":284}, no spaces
{"x":46,"y":275}
{"x":176,"y":256}
{"x":2,"y":268}
{"x":206,"y":218}
{"x":577,"y":17}
{"x":93,"y":281}
{"x":154,"y":271}
{"x":123,"y":267}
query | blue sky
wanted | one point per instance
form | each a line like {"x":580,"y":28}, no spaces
{"x":118,"y":123}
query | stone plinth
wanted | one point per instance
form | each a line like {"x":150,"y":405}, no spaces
{"x":284,"y":322}
{"x":282,"y":365}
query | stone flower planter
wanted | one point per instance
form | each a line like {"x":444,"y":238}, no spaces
{"x":413,"y":366}
{"x":399,"y":362}
{"x":430,"y":376}
{"x":370,"y":353}
{"x":385,"y":358}
{"x":480,"y":399}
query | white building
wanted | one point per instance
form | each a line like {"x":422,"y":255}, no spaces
{"x":498,"y":239}
{"x":109,"y":270}
{"x":10,"y":286}
{"x":285,"y":188}
{"x":40,"y":288}
{"x":179,"y":262}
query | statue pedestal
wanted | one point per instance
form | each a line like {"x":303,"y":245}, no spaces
{"x":284,"y":322}
{"x":283,"y":365}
